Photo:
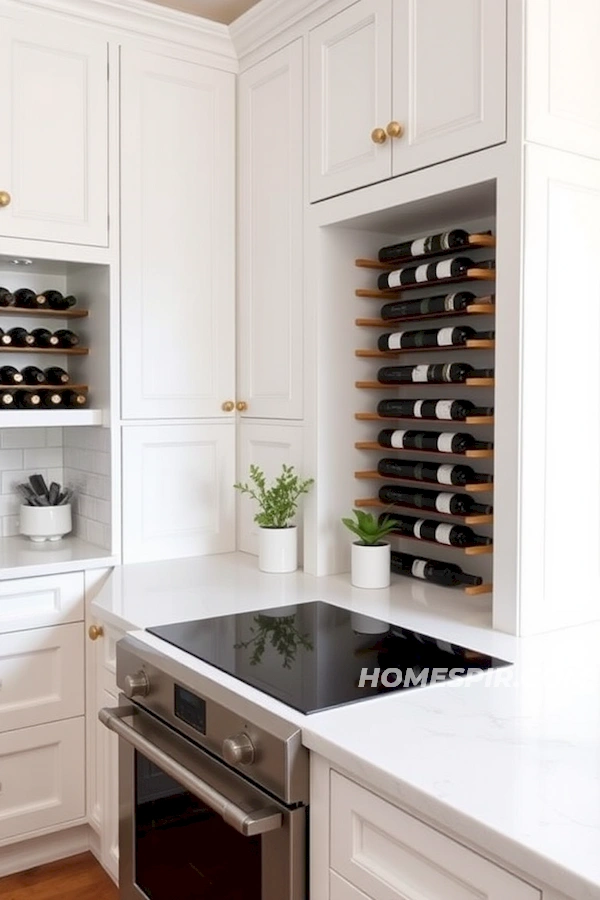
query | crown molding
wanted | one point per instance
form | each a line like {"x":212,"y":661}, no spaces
{"x":267,"y":20}
{"x":149,"y":20}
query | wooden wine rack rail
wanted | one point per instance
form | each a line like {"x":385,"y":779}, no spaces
{"x":475,"y":519}
{"x":477,"y":488}
{"x":390,"y":293}
{"x":60,"y":351}
{"x":387,"y":354}
{"x":469,"y":550}
{"x":53,"y":388}
{"x":476,"y":309}
{"x":47,"y":313}
{"x":378,"y":386}
{"x":476,"y":242}
{"x":468,"y":454}
{"x":470,"y":420}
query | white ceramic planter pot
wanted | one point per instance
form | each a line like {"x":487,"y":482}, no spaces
{"x":370,"y":565}
{"x":45,"y":523}
{"x":278,"y":549}
{"x":366,"y":625}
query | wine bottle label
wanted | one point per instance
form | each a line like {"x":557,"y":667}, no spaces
{"x":418,"y":568}
{"x":417,"y":248}
{"x":444,"y":442}
{"x":449,"y":302}
{"x":443,"y":532}
{"x":419,"y":373}
{"x":447,"y":372}
{"x":443,"y":409}
{"x":444,"y":474}
{"x":417,"y":409}
{"x":417,"y":527}
{"x":445,"y":337}
{"x":397,"y":439}
{"x":445,"y":240}
{"x":444,"y":269}
{"x":422,"y":273}
{"x":395,"y":278}
{"x":443,"y":501}
{"x":395,"y":340}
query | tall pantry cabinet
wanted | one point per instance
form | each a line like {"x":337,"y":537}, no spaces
{"x":178,"y":305}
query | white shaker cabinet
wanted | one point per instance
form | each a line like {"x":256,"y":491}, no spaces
{"x":398,"y":86}
{"x":178,"y":497}
{"x":54,"y":154}
{"x":177,"y":237}
{"x":270,"y":279}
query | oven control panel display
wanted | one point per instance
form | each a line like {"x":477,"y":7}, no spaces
{"x":190,"y":709}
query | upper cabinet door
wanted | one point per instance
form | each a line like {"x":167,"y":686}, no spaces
{"x":177,"y":237}
{"x":54,"y":146}
{"x":449,"y":79}
{"x":563,"y":75}
{"x":270,"y":310}
{"x":350,"y":96}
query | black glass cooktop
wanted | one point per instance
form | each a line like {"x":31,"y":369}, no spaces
{"x":315,"y":656}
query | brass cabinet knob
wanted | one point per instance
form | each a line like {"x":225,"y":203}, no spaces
{"x":228,"y":406}
{"x":395,"y":129}
{"x":95,"y":632}
{"x":5,"y":198}
{"x":241,"y":406}
{"x":378,"y":136}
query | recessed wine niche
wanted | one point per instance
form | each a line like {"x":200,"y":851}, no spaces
{"x":434,"y":296}
{"x":410,"y":329}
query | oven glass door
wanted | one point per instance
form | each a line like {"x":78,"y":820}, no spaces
{"x":183,"y":849}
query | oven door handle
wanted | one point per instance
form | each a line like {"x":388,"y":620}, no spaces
{"x":258,"y":821}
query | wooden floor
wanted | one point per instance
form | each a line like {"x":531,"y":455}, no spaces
{"x":77,"y":878}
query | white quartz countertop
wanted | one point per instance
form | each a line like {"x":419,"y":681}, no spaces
{"x":512,"y":768}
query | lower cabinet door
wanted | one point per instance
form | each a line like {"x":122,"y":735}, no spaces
{"x":42,"y":773}
{"x":268,"y":445}
{"x":340,"y":889}
{"x":41,"y":676}
{"x":388,"y":854}
{"x":178,"y":497}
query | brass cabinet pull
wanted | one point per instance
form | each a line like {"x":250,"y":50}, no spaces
{"x":241,"y":406}
{"x":95,"y":632}
{"x":378,"y":136}
{"x":395,"y":129}
{"x":5,"y":198}
{"x":228,"y":406}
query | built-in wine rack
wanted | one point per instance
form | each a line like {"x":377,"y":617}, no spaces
{"x":483,"y":306}
{"x":59,"y":315}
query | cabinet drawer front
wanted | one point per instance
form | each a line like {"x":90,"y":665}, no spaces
{"x":389,"y":854}
{"x":340,"y":889}
{"x":42,"y":777}
{"x":41,"y":676}
{"x":38,"y":602}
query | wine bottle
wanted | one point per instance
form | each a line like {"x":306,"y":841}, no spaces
{"x":440,"y":373}
{"x":434,"y":501}
{"x":32,"y":375}
{"x":7,"y":298}
{"x":74,"y":399}
{"x":434,"y":243}
{"x":433,"y":570}
{"x":58,"y":302}
{"x":5,"y":339}
{"x":10,"y":375}
{"x":427,"y":306}
{"x":431,"y":409}
{"x":438,"y":473}
{"x":44,"y":338}
{"x":7,"y":400}
{"x":431,"y":337}
{"x":440,"y":532}
{"x":27,"y":399}
{"x":51,"y":399}
{"x":408,"y":276}
{"x":66,"y":338}
{"x":28,"y":299}
{"x":56,"y":375}
{"x":21,"y":338}
{"x":436,"y":441}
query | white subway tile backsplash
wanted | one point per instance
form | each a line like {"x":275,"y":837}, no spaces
{"x":11,"y":459}
{"x":43,"y":458}
{"x":22,"y":438}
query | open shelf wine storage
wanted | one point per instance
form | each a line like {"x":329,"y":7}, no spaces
{"x":483,"y":305}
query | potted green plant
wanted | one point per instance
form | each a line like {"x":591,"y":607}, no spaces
{"x":277,"y":506}
{"x":370,"y":564}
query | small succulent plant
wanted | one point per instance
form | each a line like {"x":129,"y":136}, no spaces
{"x":369,"y":529}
